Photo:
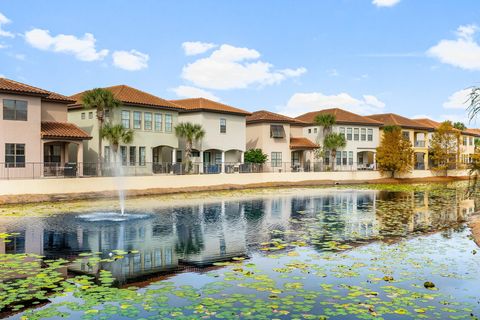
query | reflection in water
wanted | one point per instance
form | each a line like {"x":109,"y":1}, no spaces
{"x":177,"y":238}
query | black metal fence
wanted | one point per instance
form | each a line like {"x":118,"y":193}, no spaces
{"x":38,"y":170}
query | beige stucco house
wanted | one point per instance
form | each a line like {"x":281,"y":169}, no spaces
{"x":362,"y":135}
{"x":281,"y":138}
{"x":153,"y":119}
{"x":34,"y":134}
{"x":222,"y":148}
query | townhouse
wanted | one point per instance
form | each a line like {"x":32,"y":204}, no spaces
{"x":153,"y":119}
{"x":223,"y":146}
{"x":415,"y":131}
{"x":281,"y":138}
{"x":35,"y":138}
{"x":361,"y":134}
{"x":467,"y":139}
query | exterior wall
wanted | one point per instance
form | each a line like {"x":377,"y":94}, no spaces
{"x":468,"y":149}
{"x":24,"y":132}
{"x":352,"y":145}
{"x":258,"y":136}
{"x":54,"y":111}
{"x":232,"y":142}
{"x":169,"y":182}
{"x":142,"y":138}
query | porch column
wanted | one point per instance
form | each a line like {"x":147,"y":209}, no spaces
{"x":174,"y":155}
{"x":65,"y":152}
{"x":374,"y":161}
{"x":242,"y":156}
{"x":223,"y":162}
{"x":425,"y":160}
{"x":200,"y":168}
{"x":80,"y":159}
{"x":42,"y":160}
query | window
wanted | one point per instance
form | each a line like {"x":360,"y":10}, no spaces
{"x":195,"y":153}
{"x":107,"y":113}
{"x":83,"y":115}
{"x":370,"y":134}
{"x":126,"y":119}
{"x":350,"y":158}
{"x":90,"y":115}
{"x":277,"y":131}
{"x":344,"y":158}
{"x":14,"y":155}
{"x":355,"y":134}
{"x":349,"y":134}
{"x":464,"y":141}
{"x":168,"y":123}
{"x":137,"y":120}
{"x":406,"y":135}
{"x":339,"y":158}
{"x":309,"y":130}
{"x":327,"y":158}
{"x":141,"y":154}
{"x":363,"y":135}
{"x":123,"y":153}
{"x":133,"y":155}
{"x":315,"y":130}
{"x":158,"y":122}
{"x":15,"y":110}
{"x":342,"y":131}
{"x":147,"y":118}
{"x":218,"y":158}
{"x":276,"y":159}
{"x":223,"y":125}
{"x":106,"y":154}
{"x":52,"y":153}
{"x":470,"y":141}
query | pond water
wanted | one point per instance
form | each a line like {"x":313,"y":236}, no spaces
{"x":382,"y":252}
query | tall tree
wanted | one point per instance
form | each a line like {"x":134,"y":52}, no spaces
{"x":459,"y":125}
{"x":445,"y":147}
{"x":101,"y":100}
{"x":333,"y":142}
{"x":116,"y":134}
{"x":395,"y":152}
{"x":326,"y":121}
{"x":191,"y":133}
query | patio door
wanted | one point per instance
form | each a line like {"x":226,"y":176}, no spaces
{"x":207,"y":157}
{"x":296,"y":158}
{"x":52,"y":154}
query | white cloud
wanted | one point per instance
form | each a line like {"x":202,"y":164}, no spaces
{"x":464,"y":52}
{"x":3,"y":46}
{"x":460,"y":117}
{"x":300,"y":103}
{"x":82,"y":48}
{"x":192,"y":92}
{"x":458,"y":100}
{"x":20,"y":56}
{"x":230,"y":67}
{"x":385,"y":3}
{"x":132,"y":60}
{"x":192,"y":48}
{"x":421,"y":116}
{"x":4,"y":20}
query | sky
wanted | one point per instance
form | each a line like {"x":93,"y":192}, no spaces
{"x":414,"y":58}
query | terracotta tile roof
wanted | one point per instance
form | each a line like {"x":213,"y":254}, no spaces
{"x":428,"y":123}
{"x":52,"y":129}
{"x":302,"y":143}
{"x":202,"y":104}
{"x":129,"y":95}
{"x":341,"y":116}
{"x":15,"y":87}
{"x":472,"y":132}
{"x":267,"y":116}
{"x":392,"y":119}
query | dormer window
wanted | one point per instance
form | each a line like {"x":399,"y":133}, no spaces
{"x":277,"y":131}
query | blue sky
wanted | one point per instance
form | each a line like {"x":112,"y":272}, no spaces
{"x":368,"y":56}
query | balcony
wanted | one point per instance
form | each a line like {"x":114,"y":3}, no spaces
{"x":420,"y":143}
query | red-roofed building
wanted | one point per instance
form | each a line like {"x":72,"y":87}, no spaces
{"x":35,"y":138}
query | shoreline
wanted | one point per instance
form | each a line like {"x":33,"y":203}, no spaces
{"x":105,"y":195}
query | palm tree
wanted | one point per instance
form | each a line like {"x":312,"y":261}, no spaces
{"x":101,"y":100}
{"x":116,"y":134}
{"x":474,"y":103}
{"x":326,"y":121}
{"x":191,"y":133}
{"x":334,"y":141}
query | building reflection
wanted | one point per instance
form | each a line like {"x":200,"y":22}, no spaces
{"x":184,"y":238}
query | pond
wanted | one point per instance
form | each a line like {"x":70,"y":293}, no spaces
{"x":372,"y":252}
